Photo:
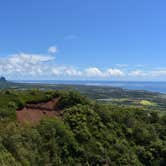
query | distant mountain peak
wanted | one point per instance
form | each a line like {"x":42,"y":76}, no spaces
{"x":3,"y":79}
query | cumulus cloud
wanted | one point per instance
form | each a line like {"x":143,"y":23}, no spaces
{"x":65,"y":71}
{"x":56,"y":71}
{"x":30,"y":58}
{"x":96,"y":72}
{"x":25,"y":65}
{"x":137,"y":73}
{"x":115,"y":72}
{"x":52,"y":49}
{"x":72,"y":72}
{"x":93,"y":72}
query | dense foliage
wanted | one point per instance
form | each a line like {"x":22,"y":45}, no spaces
{"x":88,"y":133}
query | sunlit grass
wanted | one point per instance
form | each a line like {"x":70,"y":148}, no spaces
{"x":147,"y":103}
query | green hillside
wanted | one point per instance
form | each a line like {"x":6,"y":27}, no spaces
{"x":88,"y":133}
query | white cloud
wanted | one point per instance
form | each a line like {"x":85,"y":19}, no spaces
{"x":72,"y":72}
{"x":93,"y":72}
{"x":137,"y":73}
{"x":24,"y":65}
{"x":96,"y":72}
{"x":65,"y":71}
{"x":56,"y":71}
{"x":158,"y":73}
{"x":30,"y":58}
{"x":115,"y":72}
{"x":52,"y":49}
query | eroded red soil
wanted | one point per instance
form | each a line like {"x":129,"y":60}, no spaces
{"x":35,"y":112}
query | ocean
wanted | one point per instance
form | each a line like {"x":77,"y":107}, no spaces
{"x":132,"y":85}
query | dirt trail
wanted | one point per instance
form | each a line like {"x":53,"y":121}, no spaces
{"x":35,"y":112}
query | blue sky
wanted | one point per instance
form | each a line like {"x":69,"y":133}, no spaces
{"x":83,"y":39}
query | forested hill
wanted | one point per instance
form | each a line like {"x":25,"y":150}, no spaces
{"x":85,"y":133}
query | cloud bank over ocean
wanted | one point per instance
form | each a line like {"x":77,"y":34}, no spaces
{"x":26,"y":65}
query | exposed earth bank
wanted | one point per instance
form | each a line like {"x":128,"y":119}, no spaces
{"x":35,"y":112}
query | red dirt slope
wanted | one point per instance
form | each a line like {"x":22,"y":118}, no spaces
{"x":35,"y":112}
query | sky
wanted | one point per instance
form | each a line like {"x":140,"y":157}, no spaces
{"x":83,"y":39}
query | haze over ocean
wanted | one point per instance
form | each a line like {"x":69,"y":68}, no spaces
{"x":154,"y":86}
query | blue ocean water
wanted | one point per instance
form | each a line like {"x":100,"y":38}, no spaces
{"x":133,"y":85}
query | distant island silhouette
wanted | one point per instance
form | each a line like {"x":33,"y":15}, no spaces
{"x":3,"y":79}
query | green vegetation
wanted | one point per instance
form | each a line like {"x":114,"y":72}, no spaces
{"x":10,"y":100}
{"x":88,"y":133}
{"x":147,"y":103}
{"x":111,"y":95}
